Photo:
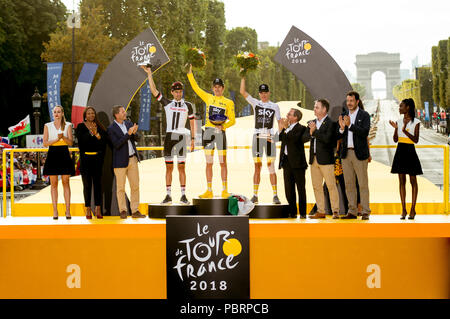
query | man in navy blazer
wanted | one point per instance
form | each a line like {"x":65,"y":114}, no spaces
{"x":122,"y":134}
{"x":354,"y":129}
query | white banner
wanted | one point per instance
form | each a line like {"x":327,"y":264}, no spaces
{"x":35,"y":141}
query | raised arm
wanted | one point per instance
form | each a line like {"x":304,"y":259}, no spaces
{"x":151,"y":83}
{"x":242,"y":90}
{"x":201,"y":93}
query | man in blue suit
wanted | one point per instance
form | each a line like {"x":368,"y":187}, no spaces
{"x":122,"y":134}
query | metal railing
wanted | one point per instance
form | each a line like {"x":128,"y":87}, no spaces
{"x":11,"y":151}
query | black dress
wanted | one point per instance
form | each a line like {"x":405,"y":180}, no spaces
{"x":92,"y":153}
{"x":59,"y":161}
{"x":406,"y":160}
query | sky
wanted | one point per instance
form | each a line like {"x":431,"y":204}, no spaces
{"x":346,"y":28}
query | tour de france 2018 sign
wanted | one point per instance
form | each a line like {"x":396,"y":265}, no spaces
{"x":207,"y":257}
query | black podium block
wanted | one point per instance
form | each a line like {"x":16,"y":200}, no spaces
{"x":211,"y":206}
{"x":269,"y":211}
{"x":161,"y":211}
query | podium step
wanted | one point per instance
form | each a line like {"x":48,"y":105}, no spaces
{"x":212,"y":206}
{"x":265,"y":211}
{"x":161,"y":211}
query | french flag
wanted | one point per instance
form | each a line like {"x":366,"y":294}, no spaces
{"x":81,"y":95}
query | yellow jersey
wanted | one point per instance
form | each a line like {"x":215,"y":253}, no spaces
{"x":214,"y":104}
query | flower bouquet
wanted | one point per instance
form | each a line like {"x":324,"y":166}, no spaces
{"x":196,"y":57}
{"x":246,"y":61}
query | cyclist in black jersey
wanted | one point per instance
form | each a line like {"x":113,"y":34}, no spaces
{"x":175,"y":144}
{"x":264,"y":136}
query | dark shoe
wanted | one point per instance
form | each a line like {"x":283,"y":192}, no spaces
{"x":167,"y":200}
{"x":349,"y":216}
{"x":404,"y":215}
{"x":123,"y":215}
{"x":68,"y":216}
{"x":98,"y":212}
{"x":335,"y":216}
{"x":317,"y":216}
{"x":55,"y":217}
{"x":184,"y":200}
{"x":254,"y":199}
{"x":137,"y":214}
{"x":276,"y":200}
{"x":365,"y":217}
{"x":412,"y":215}
{"x":302,"y":216}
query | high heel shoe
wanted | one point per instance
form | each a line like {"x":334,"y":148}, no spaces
{"x":404,"y":215}
{"x":412,"y":215}
{"x":68,"y":216}
{"x":55,"y":217}
{"x":98,"y":212}
{"x":88,"y":213}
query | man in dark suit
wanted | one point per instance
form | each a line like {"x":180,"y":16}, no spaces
{"x":321,"y":158}
{"x":293,"y":135}
{"x":122,"y":134}
{"x":354,"y":129}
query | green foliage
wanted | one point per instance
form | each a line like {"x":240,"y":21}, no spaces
{"x":361,"y":89}
{"x":443,"y":72}
{"x":24,"y":26}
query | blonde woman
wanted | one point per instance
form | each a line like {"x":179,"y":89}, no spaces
{"x":58,"y":137}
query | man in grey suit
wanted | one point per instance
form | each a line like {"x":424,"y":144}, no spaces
{"x":354,"y":129}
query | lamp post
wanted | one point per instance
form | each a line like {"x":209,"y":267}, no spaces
{"x":36,"y":100}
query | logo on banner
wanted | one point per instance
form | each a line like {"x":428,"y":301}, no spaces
{"x":209,"y":258}
{"x":143,"y":53}
{"x":297,"y":51}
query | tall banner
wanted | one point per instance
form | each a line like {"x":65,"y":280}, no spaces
{"x":53,"y":85}
{"x":207,"y":257}
{"x":427,"y":110}
{"x":144,"y":111}
{"x":21,"y":128}
{"x":315,"y":67}
{"x":81,"y":95}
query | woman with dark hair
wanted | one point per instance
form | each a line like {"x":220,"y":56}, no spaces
{"x":92,"y":139}
{"x":58,"y":137}
{"x":406,"y":160}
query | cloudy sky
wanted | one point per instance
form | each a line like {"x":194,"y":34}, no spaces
{"x":347,"y":27}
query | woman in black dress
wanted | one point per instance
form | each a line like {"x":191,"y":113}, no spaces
{"x":91,"y":137}
{"x":406,"y":160}
{"x":58,"y":137}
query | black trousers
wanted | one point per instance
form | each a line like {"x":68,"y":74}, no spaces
{"x":91,"y":175}
{"x":294,"y":178}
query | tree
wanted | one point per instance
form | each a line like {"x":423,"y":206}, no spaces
{"x":91,"y":45}
{"x":361,"y":89}
{"x":425,"y":78}
{"x":24,"y":26}
{"x":443,"y":72}
{"x":436,"y":73}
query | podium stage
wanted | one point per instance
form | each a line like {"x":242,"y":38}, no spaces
{"x":289,"y":258}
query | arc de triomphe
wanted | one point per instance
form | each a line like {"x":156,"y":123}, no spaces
{"x":388,"y":63}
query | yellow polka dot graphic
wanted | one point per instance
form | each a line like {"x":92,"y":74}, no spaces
{"x":232,"y":247}
{"x":308,"y":46}
{"x":152,"y":49}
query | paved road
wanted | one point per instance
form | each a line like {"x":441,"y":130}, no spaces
{"x":431,"y":159}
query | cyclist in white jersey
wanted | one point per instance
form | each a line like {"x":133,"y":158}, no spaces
{"x":175,"y":144}
{"x":264,"y":136}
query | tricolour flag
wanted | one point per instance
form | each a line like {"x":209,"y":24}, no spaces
{"x":21,"y":128}
{"x":81,"y":95}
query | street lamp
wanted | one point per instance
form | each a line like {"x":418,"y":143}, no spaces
{"x":36,"y":101}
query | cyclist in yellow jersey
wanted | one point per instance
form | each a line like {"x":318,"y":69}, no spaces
{"x":214,"y":135}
